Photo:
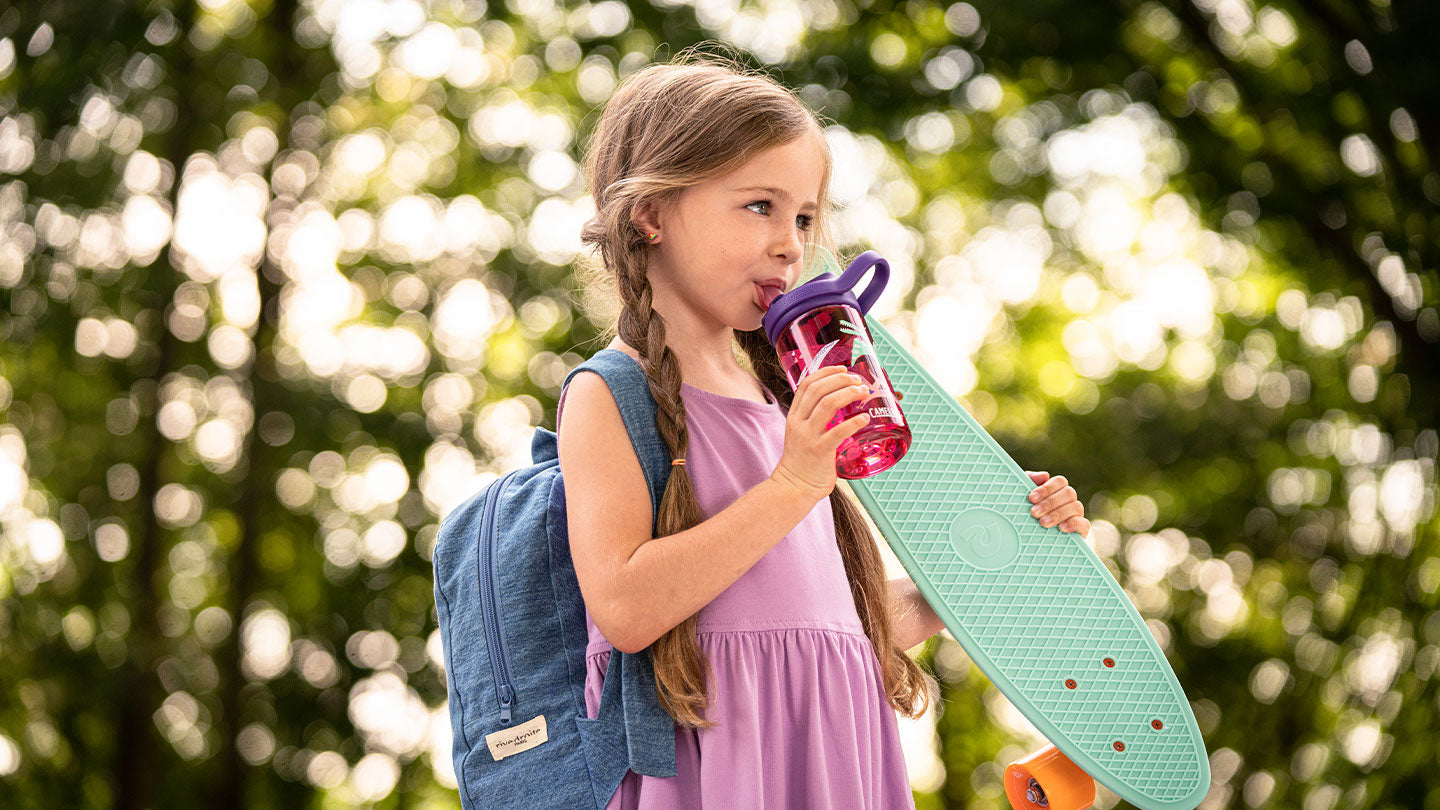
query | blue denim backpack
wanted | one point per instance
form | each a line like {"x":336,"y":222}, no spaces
{"x":512,"y":625}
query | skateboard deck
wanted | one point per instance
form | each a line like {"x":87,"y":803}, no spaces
{"x":1034,"y":607}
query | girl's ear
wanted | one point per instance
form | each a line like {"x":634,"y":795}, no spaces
{"x":644,"y":215}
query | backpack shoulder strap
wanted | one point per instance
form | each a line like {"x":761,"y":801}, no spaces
{"x":637,"y":407}
{"x":631,"y":719}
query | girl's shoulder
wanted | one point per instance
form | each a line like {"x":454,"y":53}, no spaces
{"x":620,"y":346}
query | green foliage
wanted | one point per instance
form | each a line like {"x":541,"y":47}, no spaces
{"x":281,"y":283}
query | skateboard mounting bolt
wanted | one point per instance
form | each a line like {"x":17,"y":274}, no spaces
{"x":1070,"y":683}
{"x":1119,"y":746}
{"x":1156,"y":724}
{"x":1110,"y":662}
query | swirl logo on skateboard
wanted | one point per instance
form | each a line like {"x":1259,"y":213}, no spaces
{"x":984,"y":538}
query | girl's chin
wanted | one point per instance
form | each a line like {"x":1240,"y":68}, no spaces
{"x":748,"y":324}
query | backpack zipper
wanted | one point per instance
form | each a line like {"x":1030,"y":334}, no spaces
{"x":490,"y":604}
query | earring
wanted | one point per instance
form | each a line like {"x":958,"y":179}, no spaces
{"x":652,"y":237}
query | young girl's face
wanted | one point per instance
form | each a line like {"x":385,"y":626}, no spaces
{"x":725,"y":237}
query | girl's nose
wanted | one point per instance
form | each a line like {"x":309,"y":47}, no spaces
{"x":790,"y":246}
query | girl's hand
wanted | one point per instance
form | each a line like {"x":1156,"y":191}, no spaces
{"x":1056,"y":502}
{"x":808,"y":461}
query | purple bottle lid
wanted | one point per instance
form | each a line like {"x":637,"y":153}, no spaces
{"x":827,"y":290}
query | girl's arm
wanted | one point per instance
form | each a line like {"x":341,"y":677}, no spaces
{"x":912,"y":620}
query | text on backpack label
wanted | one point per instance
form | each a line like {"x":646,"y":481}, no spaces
{"x":520,"y":738}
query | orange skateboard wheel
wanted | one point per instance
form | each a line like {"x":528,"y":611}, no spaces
{"x":1048,"y":780}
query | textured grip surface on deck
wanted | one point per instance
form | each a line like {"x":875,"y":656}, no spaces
{"x":1033,"y":606}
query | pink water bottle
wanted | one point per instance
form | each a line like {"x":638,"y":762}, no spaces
{"x":821,"y":323}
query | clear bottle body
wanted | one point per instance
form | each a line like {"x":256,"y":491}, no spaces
{"x":835,"y":334}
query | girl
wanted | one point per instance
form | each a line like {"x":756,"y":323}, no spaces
{"x":779,"y":647}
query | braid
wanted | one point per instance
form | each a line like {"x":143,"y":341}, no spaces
{"x":681,"y":666}
{"x":644,"y":328}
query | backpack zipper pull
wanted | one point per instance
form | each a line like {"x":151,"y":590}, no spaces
{"x":506,"y":698}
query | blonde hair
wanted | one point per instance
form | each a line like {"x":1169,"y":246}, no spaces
{"x":666,"y":128}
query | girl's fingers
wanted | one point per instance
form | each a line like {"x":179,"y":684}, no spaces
{"x":1039,"y":478}
{"x":848,"y":428}
{"x":1048,"y":488}
{"x":804,"y":403}
{"x":1055,"y":501}
{"x":1069,"y":510}
{"x":824,"y":381}
{"x":836,"y":400}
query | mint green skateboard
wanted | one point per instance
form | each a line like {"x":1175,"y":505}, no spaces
{"x":1035,"y":609}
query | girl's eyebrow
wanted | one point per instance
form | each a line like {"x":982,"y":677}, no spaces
{"x":781,"y":193}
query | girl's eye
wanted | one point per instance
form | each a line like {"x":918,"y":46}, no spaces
{"x":809,"y":220}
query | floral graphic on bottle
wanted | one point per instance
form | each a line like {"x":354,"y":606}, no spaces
{"x":862,"y":342}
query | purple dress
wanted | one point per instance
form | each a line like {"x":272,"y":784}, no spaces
{"x":796,"y":690}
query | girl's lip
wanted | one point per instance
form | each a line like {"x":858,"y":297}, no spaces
{"x":760,"y":297}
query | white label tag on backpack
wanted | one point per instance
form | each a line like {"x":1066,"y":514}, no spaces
{"x":520,"y":738}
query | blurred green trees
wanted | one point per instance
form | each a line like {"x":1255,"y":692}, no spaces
{"x":282,"y":281}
